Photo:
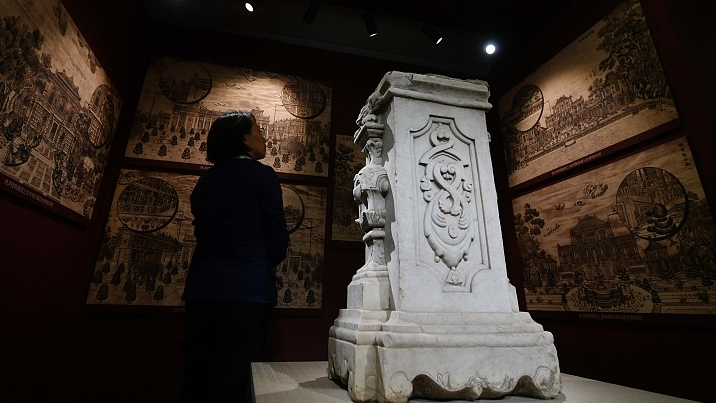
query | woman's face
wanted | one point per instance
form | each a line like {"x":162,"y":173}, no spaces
{"x":256,"y":142}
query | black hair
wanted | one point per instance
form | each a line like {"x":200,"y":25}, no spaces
{"x":226,"y":136}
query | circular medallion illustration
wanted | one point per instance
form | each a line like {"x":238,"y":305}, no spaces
{"x":303,"y":99}
{"x":185,"y":82}
{"x":104,"y":106}
{"x":147,"y":204}
{"x":293,"y":208}
{"x":651,"y":203}
{"x":527,"y":107}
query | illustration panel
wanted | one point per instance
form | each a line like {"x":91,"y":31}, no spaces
{"x":349,"y":160}
{"x":606,"y":87}
{"x":634,"y":236}
{"x":149,"y":242}
{"x":302,"y":271}
{"x":180,"y":99}
{"x":58,"y":109}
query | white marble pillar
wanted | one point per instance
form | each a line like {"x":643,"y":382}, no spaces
{"x":431,"y":313}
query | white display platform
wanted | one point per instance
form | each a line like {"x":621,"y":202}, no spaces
{"x":307,"y":382}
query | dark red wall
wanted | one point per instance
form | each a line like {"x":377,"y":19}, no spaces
{"x":665,"y":355}
{"x":52,"y":351}
{"x":45,"y":260}
{"x":50,"y":348}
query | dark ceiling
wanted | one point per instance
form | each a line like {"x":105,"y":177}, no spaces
{"x":466,"y":25}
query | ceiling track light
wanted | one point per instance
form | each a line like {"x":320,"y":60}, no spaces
{"x":370,"y":24}
{"x":431,"y":33}
{"x":311,"y":11}
{"x":252,"y":4}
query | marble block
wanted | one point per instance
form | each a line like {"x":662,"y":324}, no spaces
{"x":431,"y":314}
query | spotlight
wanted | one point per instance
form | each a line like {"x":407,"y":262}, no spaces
{"x":370,"y":24}
{"x":490,"y":49}
{"x":434,"y":36}
{"x":311,"y":11}
{"x":251,"y":5}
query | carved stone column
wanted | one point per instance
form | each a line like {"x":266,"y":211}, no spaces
{"x":352,"y":342}
{"x":432,"y":314}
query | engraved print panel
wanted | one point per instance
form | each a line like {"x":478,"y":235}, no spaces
{"x":349,"y":160}
{"x":148,"y":241}
{"x":58,"y":110}
{"x":301,"y":272}
{"x":604,"y":90}
{"x":448,"y":218}
{"x":631,"y":237}
{"x":181,"y":98}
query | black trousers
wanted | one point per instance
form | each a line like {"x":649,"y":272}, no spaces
{"x":221,"y":339}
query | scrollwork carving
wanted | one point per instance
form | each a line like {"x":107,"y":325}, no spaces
{"x":448,"y":223}
{"x":400,"y":384}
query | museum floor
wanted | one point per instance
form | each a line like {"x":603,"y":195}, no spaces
{"x":306,"y":382}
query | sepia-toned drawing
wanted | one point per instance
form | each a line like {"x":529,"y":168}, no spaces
{"x":58,"y":109}
{"x":645,"y":244}
{"x":349,"y":160}
{"x":302,"y":271}
{"x":180,"y":99}
{"x":185,"y":82}
{"x":651,"y":203}
{"x":604,"y":88}
{"x":149,"y":242}
{"x":303,"y":99}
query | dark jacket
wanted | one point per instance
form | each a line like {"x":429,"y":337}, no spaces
{"x":240,"y":232}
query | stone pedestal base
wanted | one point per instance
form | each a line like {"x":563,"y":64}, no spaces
{"x":431,"y":313}
{"x":353,"y":367}
{"x":352,"y":353}
{"x":457,"y":356}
